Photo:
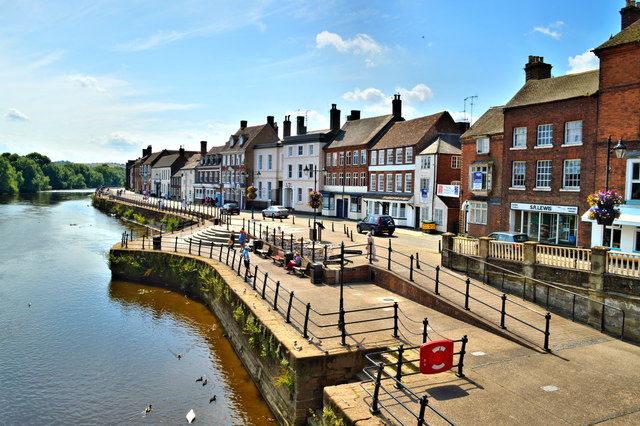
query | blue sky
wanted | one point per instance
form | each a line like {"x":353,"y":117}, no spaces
{"x":91,"y":81}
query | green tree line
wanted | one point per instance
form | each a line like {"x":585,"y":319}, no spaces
{"x":36,"y":172}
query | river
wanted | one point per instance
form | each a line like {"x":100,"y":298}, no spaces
{"x":79,"y":348}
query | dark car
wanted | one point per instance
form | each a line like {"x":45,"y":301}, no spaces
{"x":230,"y":208}
{"x":509,"y":237}
{"x":377,"y":224}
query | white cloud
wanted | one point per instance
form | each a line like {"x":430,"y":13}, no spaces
{"x":86,"y":81}
{"x":15,"y":115}
{"x":160,"y":38}
{"x":367,"y":95}
{"x":580,"y":63}
{"x":552,"y":30}
{"x":361,"y":45}
{"x":420,"y":93}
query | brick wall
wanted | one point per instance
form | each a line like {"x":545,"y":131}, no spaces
{"x":556,"y":113}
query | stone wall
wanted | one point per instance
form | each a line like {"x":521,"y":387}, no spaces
{"x":312,"y":368}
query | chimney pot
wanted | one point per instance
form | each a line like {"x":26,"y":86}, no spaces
{"x":286,"y":127}
{"x":630,"y":13}
{"x":243,"y":124}
{"x":334,"y":118}
{"x":301,"y":129}
{"x":537,"y":69}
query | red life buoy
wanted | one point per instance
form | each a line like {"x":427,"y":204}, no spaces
{"x":436,"y":356}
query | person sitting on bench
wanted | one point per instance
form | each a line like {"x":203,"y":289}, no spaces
{"x":297,"y":261}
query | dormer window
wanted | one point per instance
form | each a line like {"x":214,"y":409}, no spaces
{"x":232,"y":141}
{"x":241,"y":140}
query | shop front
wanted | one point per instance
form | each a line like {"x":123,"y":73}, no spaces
{"x":546,"y":223}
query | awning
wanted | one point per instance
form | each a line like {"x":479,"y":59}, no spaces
{"x":629,"y":216}
{"x":451,"y":203}
{"x":388,"y":197}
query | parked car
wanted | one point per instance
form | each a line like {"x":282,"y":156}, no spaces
{"x":276,"y":211}
{"x":230,"y":208}
{"x":377,"y":224}
{"x":509,"y":237}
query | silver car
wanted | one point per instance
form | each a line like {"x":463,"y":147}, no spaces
{"x":276,"y":211}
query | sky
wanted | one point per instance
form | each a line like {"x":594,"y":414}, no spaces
{"x":98,"y":80}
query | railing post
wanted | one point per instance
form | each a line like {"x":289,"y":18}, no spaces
{"x":395,"y":320}
{"x":374,"y":404}
{"x":289,"y":308}
{"x":190,"y":242}
{"x":176,"y":245}
{"x":143,"y":242}
{"x":411,"y":268}
{"x":306,"y":321}
{"x":275,"y":298}
{"x":425,"y":330}
{"x":211,"y":251}
{"x":466,"y":294}
{"x":255,"y":277}
{"x":313,"y":251}
{"x":228,"y":252}
{"x":547,"y":317}
{"x":220,"y":256}
{"x":418,"y":261}
{"x":462,"y":352}
{"x":199,"y":247}
{"x":399,"y":385}
{"x":423,"y":406}
{"x":233,"y":261}
{"x":264,"y":284}
{"x":343,"y":328}
{"x":437,"y":279}
{"x":503,"y":312}
{"x":389,"y":257}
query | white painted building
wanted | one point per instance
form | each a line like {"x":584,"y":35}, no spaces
{"x":267,"y":173}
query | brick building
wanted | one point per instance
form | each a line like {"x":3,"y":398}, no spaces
{"x":481,"y":210}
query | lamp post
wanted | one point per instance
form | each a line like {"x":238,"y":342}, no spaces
{"x":619,"y":150}
{"x":313,"y":170}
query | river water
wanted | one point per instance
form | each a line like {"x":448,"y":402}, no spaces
{"x":78,"y":348}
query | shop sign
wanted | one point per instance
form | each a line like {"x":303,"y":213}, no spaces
{"x":449,"y":190}
{"x":544,"y":208}
{"x":477,"y":180}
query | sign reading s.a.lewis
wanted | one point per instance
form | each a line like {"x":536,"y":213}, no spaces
{"x":545,"y":208}
{"x":448,"y":190}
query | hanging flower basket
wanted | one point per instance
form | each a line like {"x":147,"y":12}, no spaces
{"x":251,"y":193}
{"x":604,"y":207}
{"x":315,"y":199}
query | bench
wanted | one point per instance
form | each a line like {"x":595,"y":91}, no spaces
{"x":302,"y":269}
{"x":263,"y":252}
{"x":278,"y":257}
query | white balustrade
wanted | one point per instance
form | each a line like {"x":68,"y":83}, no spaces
{"x":623,"y":263}
{"x":564,"y":257}
{"x":506,"y":250}
{"x":468,"y":246}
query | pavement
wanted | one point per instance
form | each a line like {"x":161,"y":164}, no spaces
{"x":588,"y":378}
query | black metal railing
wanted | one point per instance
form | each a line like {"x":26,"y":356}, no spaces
{"x":556,"y":299}
{"x":379,"y":373}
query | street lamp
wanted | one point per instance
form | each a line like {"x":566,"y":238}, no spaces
{"x":619,"y":150}
{"x":314,"y":170}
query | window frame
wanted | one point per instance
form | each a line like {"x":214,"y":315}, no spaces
{"x":519,"y":176}
{"x":519,"y":138}
{"x":482,"y":145}
{"x":476,"y":207}
{"x":544,"y":136}
{"x":543,"y":174}
{"x":568,"y":132}
{"x":566,"y":177}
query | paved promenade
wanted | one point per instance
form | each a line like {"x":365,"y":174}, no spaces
{"x":589,"y":377}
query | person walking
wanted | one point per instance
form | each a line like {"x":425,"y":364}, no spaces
{"x":242,"y":238}
{"x":247,"y":260}
{"x":232,"y":240}
{"x":371,"y":247}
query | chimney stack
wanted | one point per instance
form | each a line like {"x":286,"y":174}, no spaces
{"x":203,"y":148}
{"x":536,"y":69}
{"x":301,"y":129}
{"x":630,"y":13}
{"x":243,"y":124}
{"x":396,"y":107}
{"x":462,"y":126}
{"x":272,"y":122}
{"x":181,"y":151}
{"x":149,"y":150}
{"x":355,"y":115}
{"x":286,"y":126}
{"x":334,"y":118}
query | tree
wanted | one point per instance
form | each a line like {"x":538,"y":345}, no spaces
{"x":41,"y":160}
{"x":59,"y":176}
{"x":10,"y":180}
{"x":34,"y":179}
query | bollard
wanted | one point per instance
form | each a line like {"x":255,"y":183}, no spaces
{"x":411,"y":268}
{"x":332,"y":227}
{"x":547,"y":317}
{"x":313,"y":251}
{"x":351,"y":232}
{"x":503,"y":311}
{"x":437,"y":279}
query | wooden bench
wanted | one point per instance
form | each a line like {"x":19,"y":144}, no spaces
{"x":263,"y":252}
{"x":278,"y":257}
{"x":302,"y":269}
